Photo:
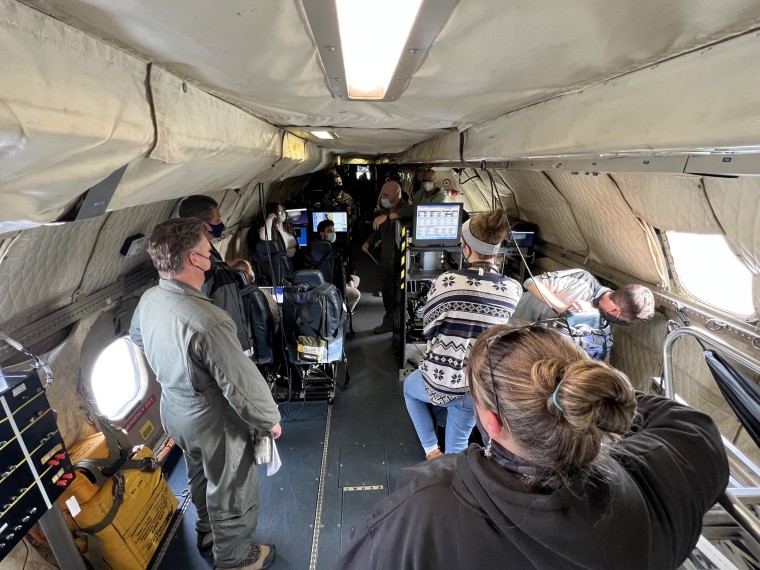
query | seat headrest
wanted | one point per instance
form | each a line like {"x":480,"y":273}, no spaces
{"x":310,"y":277}
{"x":321,"y":246}
{"x":267,"y":247}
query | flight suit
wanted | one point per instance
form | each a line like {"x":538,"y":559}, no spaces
{"x":211,"y":396}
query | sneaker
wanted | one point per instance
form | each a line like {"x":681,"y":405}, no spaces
{"x":433,"y":454}
{"x":383,"y":328}
{"x":260,"y":556}
{"x":205,"y":540}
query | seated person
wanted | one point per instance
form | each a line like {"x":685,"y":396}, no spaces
{"x":244,"y":267}
{"x":460,"y":305}
{"x":276,"y":216}
{"x":578,"y":291}
{"x":579,"y":472}
{"x":326,"y":231}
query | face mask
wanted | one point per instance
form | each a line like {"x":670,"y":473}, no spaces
{"x":281,"y":216}
{"x":427,"y":186}
{"x":331,"y":237}
{"x":385,"y":203}
{"x":216,"y":230}
{"x":613,"y":320}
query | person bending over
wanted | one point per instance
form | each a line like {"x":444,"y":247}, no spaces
{"x":580,"y":472}
{"x":211,"y":393}
{"x":460,"y":305}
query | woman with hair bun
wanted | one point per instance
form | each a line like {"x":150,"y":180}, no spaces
{"x":460,"y":305}
{"x":579,"y":472}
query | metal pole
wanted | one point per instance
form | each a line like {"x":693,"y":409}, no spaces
{"x":745,"y":518}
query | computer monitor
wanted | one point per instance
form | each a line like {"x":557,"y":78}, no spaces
{"x":522,"y":239}
{"x":340,"y":219}
{"x":298,"y":216}
{"x":301,"y":235}
{"x":437,"y":225}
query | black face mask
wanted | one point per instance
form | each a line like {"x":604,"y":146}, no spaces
{"x":613,"y":320}
{"x":216,"y":230}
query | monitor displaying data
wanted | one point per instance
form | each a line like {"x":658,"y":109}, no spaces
{"x":437,"y":224}
{"x":298,"y":217}
{"x":340,"y":219}
{"x":301,"y":237}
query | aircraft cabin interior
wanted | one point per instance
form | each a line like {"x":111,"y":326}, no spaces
{"x":619,"y":138}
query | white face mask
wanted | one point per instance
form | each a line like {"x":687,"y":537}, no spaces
{"x":281,"y":216}
{"x":331,"y":237}
{"x":427,"y":185}
{"x":385,"y":203}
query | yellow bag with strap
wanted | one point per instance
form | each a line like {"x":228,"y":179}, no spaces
{"x":119,"y":504}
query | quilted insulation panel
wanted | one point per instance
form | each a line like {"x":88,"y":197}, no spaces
{"x":106,"y":263}
{"x":540,"y":202}
{"x":668,"y":202}
{"x":44,"y":267}
{"x":477,"y":192}
{"x":614,"y":235}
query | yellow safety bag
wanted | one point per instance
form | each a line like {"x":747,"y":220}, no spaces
{"x":119,"y":504}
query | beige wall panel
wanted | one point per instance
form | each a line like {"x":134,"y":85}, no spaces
{"x":45,"y":266}
{"x":642,"y":111}
{"x":72,"y":111}
{"x":107,"y":264}
{"x":538,"y":201}
{"x":668,"y":202}
{"x":613,"y":233}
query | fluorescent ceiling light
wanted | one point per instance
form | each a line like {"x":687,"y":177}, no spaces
{"x":327,"y":135}
{"x":373,"y":35}
{"x":370,"y":49}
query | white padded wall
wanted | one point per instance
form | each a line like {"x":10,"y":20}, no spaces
{"x":538,"y":201}
{"x":614,"y":235}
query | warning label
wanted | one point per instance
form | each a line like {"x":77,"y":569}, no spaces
{"x":140,"y":413}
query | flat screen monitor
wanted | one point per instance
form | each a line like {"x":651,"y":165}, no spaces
{"x":298,"y":217}
{"x":437,"y":225}
{"x":340,"y":219}
{"x":522,"y":239}
{"x":300,"y":233}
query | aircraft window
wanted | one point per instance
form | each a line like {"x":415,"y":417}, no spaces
{"x":117,"y":380}
{"x":710,"y":271}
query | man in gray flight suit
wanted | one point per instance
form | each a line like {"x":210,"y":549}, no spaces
{"x":211,"y":393}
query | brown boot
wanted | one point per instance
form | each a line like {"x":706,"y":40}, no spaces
{"x":433,"y":454}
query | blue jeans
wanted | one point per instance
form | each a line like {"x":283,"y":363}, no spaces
{"x":459,"y":423}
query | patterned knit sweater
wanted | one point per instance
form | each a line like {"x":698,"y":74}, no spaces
{"x":460,"y":306}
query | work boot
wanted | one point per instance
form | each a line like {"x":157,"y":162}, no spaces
{"x":260,"y":556}
{"x":205,"y":540}
{"x":383,"y":328}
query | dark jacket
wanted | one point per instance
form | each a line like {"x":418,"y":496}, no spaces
{"x":221,"y":286}
{"x":466,"y":511}
{"x":386,"y":234}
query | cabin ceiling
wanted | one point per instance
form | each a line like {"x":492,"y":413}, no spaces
{"x":491,"y":58}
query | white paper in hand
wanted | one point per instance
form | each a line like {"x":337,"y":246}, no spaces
{"x":274,"y":465}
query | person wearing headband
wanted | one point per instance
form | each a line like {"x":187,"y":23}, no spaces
{"x":460,"y":305}
{"x":579,"y":472}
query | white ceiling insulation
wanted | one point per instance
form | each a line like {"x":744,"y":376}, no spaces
{"x":491,"y":58}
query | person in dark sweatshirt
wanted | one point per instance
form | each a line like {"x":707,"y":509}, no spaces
{"x":579,"y":471}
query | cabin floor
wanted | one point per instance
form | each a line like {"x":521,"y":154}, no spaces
{"x":351,"y":450}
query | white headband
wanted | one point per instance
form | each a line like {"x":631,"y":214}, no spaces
{"x":480,"y":247}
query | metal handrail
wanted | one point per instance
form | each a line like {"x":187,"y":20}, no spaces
{"x":733,"y":506}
